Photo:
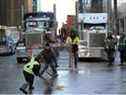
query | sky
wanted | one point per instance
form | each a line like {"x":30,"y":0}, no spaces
{"x":63,"y":8}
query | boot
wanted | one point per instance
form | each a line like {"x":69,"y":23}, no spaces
{"x":23,"y":88}
{"x":31,"y":88}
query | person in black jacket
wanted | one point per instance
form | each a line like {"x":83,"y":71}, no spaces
{"x":110,"y":44}
{"x":48,"y":57}
{"x":30,"y":69}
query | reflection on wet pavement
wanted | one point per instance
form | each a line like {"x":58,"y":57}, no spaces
{"x":90,"y":78}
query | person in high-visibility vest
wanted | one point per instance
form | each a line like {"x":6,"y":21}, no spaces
{"x":75,"y":43}
{"x":68,"y":44}
{"x":30,"y":69}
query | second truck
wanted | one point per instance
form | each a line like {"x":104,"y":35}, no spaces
{"x":92,"y":29}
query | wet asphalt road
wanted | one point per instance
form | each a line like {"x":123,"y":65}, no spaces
{"x":90,"y":78}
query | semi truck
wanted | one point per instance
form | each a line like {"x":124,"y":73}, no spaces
{"x":36,"y":26}
{"x":92,"y":29}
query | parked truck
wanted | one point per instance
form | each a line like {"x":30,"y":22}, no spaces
{"x":32,"y":42}
{"x":92,"y":29}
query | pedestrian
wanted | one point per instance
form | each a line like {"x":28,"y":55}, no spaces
{"x":48,"y":59}
{"x":110,"y":44}
{"x":30,"y":70}
{"x":54,"y":51}
{"x":55,"y":54}
{"x":69,"y":48}
{"x":75,"y":43}
{"x":122,"y":48}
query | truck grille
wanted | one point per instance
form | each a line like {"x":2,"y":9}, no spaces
{"x":96,"y":39}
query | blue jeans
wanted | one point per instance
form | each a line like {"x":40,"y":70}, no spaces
{"x":122,"y":55}
{"x":75,"y":59}
{"x":48,"y":63}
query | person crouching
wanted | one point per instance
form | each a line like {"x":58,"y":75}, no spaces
{"x":29,"y":71}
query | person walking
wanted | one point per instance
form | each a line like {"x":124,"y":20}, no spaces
{"x":75,"y":43}
{"x":55,"y":54}
{"x":122,"y":48}
{"x":30,"y":70}
{"x":69,"y":47}
{"x":48,"y":59}
{"x":110,"y":44}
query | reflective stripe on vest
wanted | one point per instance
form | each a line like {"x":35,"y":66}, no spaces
{"x":29,"y":66}
{"x":68,"y":40}
{"x":76,"y":40}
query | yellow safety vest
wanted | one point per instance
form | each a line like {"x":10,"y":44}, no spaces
{"x":29,"y":66}
{"x":76,"y":40}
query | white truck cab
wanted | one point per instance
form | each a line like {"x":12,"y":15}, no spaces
{"x":92,"y":31}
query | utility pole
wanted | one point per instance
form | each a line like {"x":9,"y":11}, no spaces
{"x":22,"y":14}
{"x":22,"y":21}
{"x":109,"y":11}
{"x":55,"y":22}
{"x":116,"y":25}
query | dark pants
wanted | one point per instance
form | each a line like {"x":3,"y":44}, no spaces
{"x":29,"y":80}
{"x":75,"y":54}
{"x":55,"y":56}
{"x":75,"y":59}
{"x":48,"y":63}
{"x":54,"y":60}
{"x":122,"y":55}
{"x":110,"y":54}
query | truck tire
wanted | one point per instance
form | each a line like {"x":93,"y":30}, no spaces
{"x":19,"y":60}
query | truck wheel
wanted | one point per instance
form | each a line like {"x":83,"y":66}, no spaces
{"x":19,"y":60}
{"x":25,"y":60}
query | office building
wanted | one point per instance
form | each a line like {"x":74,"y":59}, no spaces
{"x":11,"y":11}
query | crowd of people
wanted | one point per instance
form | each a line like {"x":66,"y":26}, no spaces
{"x":49,"y":56}
{"x":114,"y":44}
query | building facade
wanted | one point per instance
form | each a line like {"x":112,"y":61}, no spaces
{"x":71,"y":21}
{"x":94,"y":6}
{"x":34,"y":5}
{"x":97,"y":6}
{"x":84,"y":6}
{"x":11,"y":11}
{"x":122,"y":18}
